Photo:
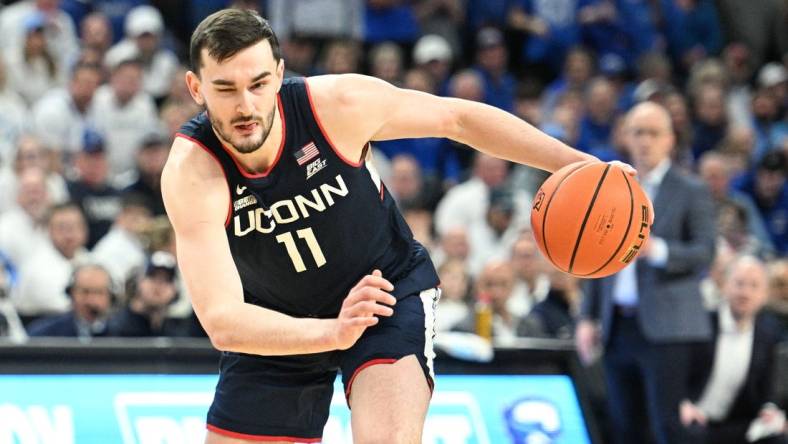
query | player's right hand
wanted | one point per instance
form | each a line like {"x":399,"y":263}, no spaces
{"x":361,"y":307}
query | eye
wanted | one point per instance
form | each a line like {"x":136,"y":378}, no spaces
{"x":256,"y":86}
{"x":224,"y":90}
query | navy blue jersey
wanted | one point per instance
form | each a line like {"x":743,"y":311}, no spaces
{"x":303,"y":233}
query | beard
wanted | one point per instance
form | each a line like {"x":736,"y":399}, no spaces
{"x":250,"y":144}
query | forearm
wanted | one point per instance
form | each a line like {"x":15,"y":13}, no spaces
{"x":500,"y":134}
{"x":247,"y":328}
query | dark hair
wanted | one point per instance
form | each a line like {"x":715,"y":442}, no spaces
{"x":226,"y":32}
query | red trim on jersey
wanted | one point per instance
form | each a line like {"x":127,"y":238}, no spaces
{"x":325,"y":134}
{"x":243,"y":170}
{"x":382,"y":188}
{"x":229,"y":192}
{"x":269,"y":438}
{"x":362,"y":367}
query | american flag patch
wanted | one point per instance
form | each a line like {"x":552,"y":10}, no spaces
{"x":306,"y":153}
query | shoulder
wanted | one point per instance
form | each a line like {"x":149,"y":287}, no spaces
{"x":193,"y":183}
{"x":55,"y":325}
{"x":344,"y":90}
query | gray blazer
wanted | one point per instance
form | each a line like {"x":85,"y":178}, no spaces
{"x":670,"y":308}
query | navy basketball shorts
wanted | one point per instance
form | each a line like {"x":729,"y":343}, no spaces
{"x":287,"y":398}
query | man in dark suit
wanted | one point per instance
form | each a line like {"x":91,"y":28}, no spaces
{"x":731,"y":379}
{"x":90,"y":290}
{"x":650,"y":312}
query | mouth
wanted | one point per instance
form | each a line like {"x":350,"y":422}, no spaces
{"x":246,"y":128}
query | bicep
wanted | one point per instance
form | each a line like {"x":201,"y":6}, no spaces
{"x":196,"y":197}
{"x":413,"y":114}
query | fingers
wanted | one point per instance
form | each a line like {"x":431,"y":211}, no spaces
{"x":626,"y":167}
{"x":374,"y":280}
{"x":370,"y":294}
{"x":367,"y":321}
{"x":368,"y":308}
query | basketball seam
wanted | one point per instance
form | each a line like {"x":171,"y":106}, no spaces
{"x":629,"y":224}
{"x":547,"y":208}
{"x":585,"y":219}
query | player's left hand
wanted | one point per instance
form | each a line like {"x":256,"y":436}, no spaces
{"x":629,"y":169}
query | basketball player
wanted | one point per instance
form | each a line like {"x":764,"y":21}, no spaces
{"x":293,"y":251}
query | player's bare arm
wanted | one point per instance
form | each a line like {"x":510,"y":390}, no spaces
{"x":365,"y":108}
{"x":197,"y":198}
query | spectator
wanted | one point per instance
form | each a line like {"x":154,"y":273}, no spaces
{"x":340,"y":57}
{"x":58,"y":28}
{"x":143,"y":42}
{"x":493,"y":237}
{"x":23,"y":227}
{"x":768,"y":188}
{"x":121,"y":250}
{"x":651,"y":310}
{"x":778,"y":293}
{"x":494,"y":285}
{"x":455,"y":295}
{"x":45,"y":274}
{"x":31,"y":154}
{"x":32,"y":67}
{"x":91,"y":292}
{"x":773,"y":77}
{"x":676,"y":104}
{"x":738,"y":65}
{"x":90,"y":188}
{"x":596,"y":127}
{"x":732,"y":222}
{"x":770,"y":132}
{"x":480,"y":13}
{"x":469,"y":85}
{"x":692,"y":30}
{"x":531,"y":281}
{"x":434,"y":54}
{"x":453,"y":246}
{"x":62,"y":115}
{"x":124,"y":114}
{"x":14,"y":116}
{"x":637,"y":20}
{"x":715,"y":170}
{"x":300,"y":54}
{"x":466,"y":204}
{"x":554,"y":317}
{"x":150,"y":162}
{"x":443,"y":18}
{"x":492,"y":58}
{"x":551,"y":27}
{"x":386,"y":62}
{"x":406,"y":183}
{"x":96,"y":34}
{"x":150,"y":296}
{"x":710,"y":123}
{"x":578,"y":69}
{"x":732,"y":382}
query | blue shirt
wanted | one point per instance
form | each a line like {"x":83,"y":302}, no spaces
{"x":434,"y":157}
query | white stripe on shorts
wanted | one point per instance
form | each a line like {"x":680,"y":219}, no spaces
{"x":429,"y":299}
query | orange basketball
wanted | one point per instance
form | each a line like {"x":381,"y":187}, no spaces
{"x":590,"y":219}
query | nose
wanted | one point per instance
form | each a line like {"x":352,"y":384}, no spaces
{"x":245,"y":106}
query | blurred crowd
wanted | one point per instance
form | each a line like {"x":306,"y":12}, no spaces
{"x":93,"y":92}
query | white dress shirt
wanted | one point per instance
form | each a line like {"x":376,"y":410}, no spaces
{"x":625,"y":289}
{"x":732,"y":357}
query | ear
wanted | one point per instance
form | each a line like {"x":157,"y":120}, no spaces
{"x":194,"y":85}
{"x":280,"y":73}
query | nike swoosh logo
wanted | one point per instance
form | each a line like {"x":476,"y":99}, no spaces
{"x":239,"y":189}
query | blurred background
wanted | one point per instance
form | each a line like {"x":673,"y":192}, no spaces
{"x":92,"y":93}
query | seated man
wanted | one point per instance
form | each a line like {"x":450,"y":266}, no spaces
{"x":153,"y":291}
{"x":91,"y":293}
{"x":732,"y":384}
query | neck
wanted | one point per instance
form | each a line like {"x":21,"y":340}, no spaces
{"x":742,"y":320}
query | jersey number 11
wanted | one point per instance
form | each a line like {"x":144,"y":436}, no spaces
{"x":309,"y":236}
